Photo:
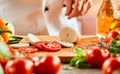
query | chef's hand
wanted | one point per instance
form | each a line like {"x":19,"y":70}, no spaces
{"x":76,"y":8}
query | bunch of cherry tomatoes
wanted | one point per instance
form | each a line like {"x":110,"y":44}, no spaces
{"x":46,"y":65}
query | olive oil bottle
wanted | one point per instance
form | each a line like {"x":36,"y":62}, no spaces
{"x":115,"y":25}
{"x":104,"y":18}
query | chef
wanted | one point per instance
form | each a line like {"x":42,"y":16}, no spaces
{"x":43,"y":17}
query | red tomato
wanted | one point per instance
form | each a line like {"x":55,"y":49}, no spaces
{"x":111,"y":35}
{"x":3,"y":61}
{"x":19,"y":66}
{"x":28,"y":49}
{"x":48,"y":45}
{"x":96,"y":56}
{"x":48,"y":65}
{"x":14,"y":52}
{"x":111,"y":65}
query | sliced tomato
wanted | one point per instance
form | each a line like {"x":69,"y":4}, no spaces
{"x":48,"y":45}
{"x":28,"y":49}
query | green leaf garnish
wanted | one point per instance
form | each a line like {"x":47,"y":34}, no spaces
{"x":80,"y":52}
{"x":79,"y":59}
{"x":67,"y":68}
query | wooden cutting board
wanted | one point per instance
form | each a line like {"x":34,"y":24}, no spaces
{"x":66,"y":54}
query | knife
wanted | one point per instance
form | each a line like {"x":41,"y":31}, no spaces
{"x":33,"y":38}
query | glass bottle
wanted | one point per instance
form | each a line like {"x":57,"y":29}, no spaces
{"x":115,"y":25}
{"x":104,"y":18}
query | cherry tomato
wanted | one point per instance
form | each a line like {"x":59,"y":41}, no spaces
{"x":111,"y":35}
{"x":19,"y":66}
{"x":14,"y":52}
{"x":3,"y":61}
{"x":48,"y":65}
{"x":96,"y":56}
{"x":48,"y":45}
{"x":111,"y":65}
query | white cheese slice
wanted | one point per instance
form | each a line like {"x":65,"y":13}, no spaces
{"x":65,"y":44}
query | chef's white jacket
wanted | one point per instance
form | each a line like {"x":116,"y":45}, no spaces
{"x":40,"y":17}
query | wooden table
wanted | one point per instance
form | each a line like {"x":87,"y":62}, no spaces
{"x":79,"y":71}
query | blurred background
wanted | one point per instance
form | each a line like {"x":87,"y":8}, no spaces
{"x":88,"y":21}
{"x":30,"y":11}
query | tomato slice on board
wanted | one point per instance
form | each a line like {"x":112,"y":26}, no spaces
{"x":28,"y":49}
{"x":47,"y":45}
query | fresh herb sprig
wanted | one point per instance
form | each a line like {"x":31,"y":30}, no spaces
{"x":114,"y":47}
{"x":79,"y":60}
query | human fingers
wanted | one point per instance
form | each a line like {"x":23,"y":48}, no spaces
{"x":75,"y":11}
{"x":86,"y":6}
{"x":68,"y":6}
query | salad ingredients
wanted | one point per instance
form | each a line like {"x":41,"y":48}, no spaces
{"x":68,"y":34}
{"x":11,"y":28}
{"x":19,"y":66}
{"x":48,"y":45}
{"x":4,"y":50}
{"x":112,"y":42}
{"x":4,"y":30}
{"x":13,"y":39}
{"x":114,"y":47}
{"x":111,"y":66}
{"x":65,"y":44}
{"x":7,"y":33}
{"x":27,"y":49}
{"x":3,"y":61}
{"x":111,"y":35}
{"x":33,"y":38}
{"x":79,"y":60}
{"x":96,"y":56}
{"x":48,"y":65}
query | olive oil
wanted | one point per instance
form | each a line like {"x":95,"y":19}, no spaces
{"x":105,"y":18}
{"x":115,"y":25}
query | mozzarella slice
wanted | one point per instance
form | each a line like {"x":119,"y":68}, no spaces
{"x":68,"y":34}
{"x":65,"y":44}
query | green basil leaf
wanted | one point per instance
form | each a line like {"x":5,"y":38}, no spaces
{"x":80,"y":52}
